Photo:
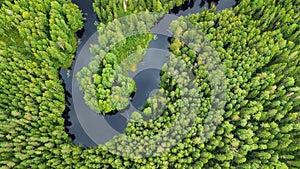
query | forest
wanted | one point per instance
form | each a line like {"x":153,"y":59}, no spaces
{"x":258,"y":126}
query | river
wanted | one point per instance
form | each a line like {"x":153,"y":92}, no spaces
{"x":82,"y":124}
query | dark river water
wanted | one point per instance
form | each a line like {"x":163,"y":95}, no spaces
{"x":145,"y":86}
{"x":82,"y":124}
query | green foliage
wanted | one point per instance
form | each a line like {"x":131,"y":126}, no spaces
{"x":261,"y":69}
{"x":113,"y":87}
{"x":108,"y":10}
{"x":1,"y":2}
{"x":43,"y":30}
{"x":259,"y":126}
{"x":104,"y":81}
{"x":32,"y":97}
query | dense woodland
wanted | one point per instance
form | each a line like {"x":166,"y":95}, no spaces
{"x":105,"y":82}
{"x":107,"y":10}
{"x":257,"y":42}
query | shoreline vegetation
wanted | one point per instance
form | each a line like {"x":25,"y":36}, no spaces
{"x":108,"y":99}
{"x":109,"y":75}
{"x":257,"y":42}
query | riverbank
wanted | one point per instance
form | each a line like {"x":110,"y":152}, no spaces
{"x":83,"y":125}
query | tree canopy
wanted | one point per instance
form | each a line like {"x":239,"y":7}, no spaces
{"x":257,"y":43}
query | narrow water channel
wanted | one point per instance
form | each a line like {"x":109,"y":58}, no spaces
{"x":72,"y":125}
{"x":85,"y":126}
